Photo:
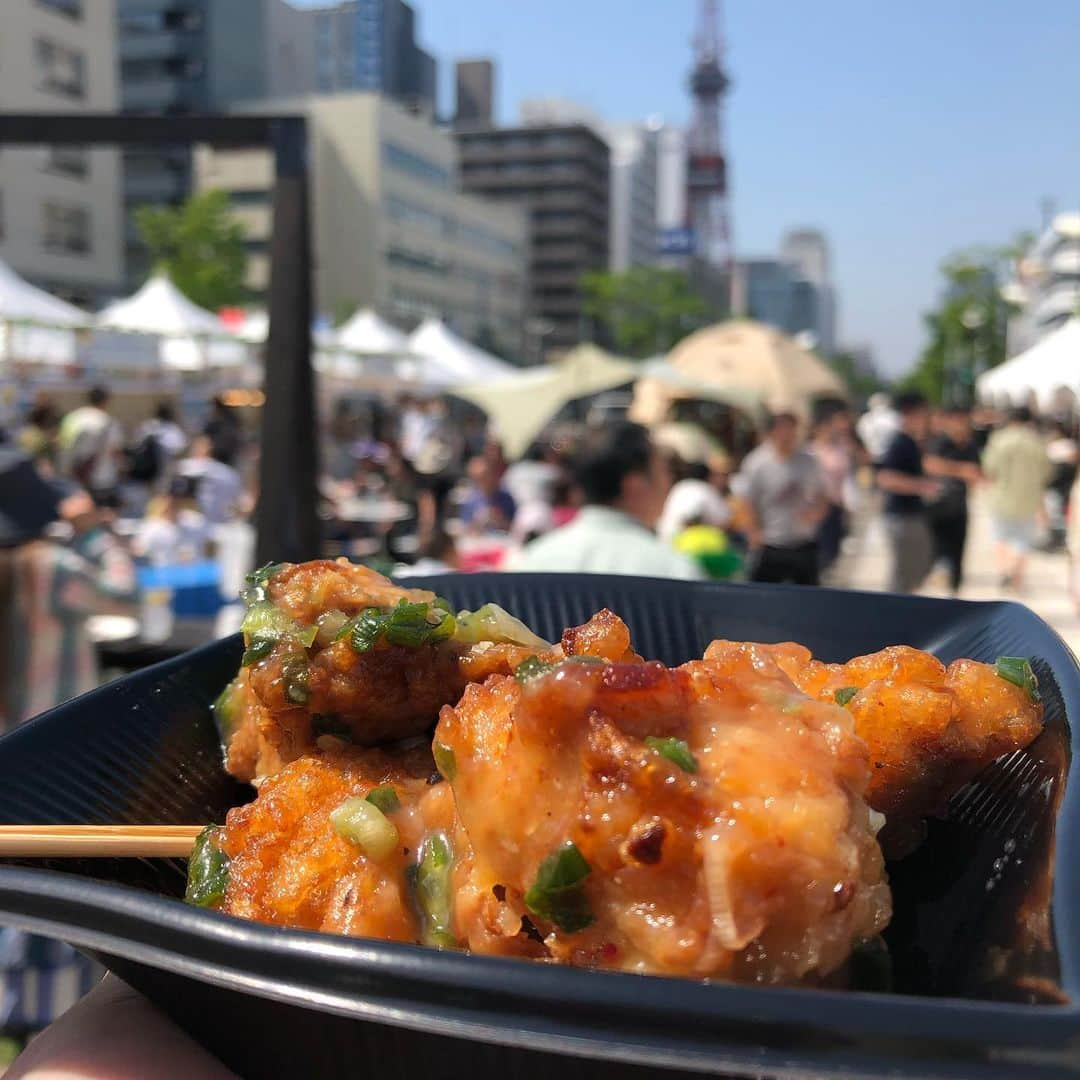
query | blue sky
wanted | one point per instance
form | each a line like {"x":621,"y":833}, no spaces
{"x":904,"y":130}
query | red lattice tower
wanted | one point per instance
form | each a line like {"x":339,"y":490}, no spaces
{"x":706,"y":163}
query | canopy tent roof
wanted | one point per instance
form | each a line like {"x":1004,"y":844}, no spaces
{"x":444,"y":359}
{"x":159,"y":307}
{"x":22,"y":302}
{"x":1044,"y":370}
{"x":745,"y":363}
{"x":522,"y":404}
{"x":365,"y":332}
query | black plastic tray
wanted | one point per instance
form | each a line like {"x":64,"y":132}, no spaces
{"x":984,"y":940}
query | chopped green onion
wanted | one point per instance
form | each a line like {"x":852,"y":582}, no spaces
{"x":224,"y":711}
{"x":385,"y":798}
{"x":362,"y":823}
{"x":264,"y":621}
{"x":677,"y":751}
{"x":533,"y":668}
{"x":558,"y":893}
{"x":431,"y":882}
{"x":256,"y":588}
{"x":845,"y":694}
{"x":1017,"y":670}
{"x":408,"y":625}
{"x":295,"y":671}
{"x":445,"y":760}
{"x":493,"y":623}
{"x":208,"y":871}
{"x":442,"y":604}
{"x":259,"y":649}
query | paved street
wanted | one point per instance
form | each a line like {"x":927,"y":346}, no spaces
{"x":864,"y":566}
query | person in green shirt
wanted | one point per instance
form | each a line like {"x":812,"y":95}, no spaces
{"x":1017,"y":470}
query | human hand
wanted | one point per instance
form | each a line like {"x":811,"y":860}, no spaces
{"x":114,"y":1033}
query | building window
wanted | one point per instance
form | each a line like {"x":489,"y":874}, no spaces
{"x":60,"y":70}
{"x":65,"y":229}
{"x":420,"y":168}
{"x":73,"y":161}
{"x":72,"y":9}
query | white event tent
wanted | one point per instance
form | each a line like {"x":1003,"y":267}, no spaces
{"x":442,"y":359}
{"x":1044,"y":371}
{"x":190,"y":338}
{"x":34,"y":325}
{"x":367,"y":334}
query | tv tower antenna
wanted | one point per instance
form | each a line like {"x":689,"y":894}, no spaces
{"x":706,"y":163}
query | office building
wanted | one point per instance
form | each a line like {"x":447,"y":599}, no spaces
{"x":190,"y":56}
{"x":793,"y":292}
{"x":634,"y":195}
{"x":560,"y":174}
{"x":474,"y":94}
{"x":370,"y":45}
{"x":60,"y":205}
{"x":1046,"y":292}
{"x":390,"y":229}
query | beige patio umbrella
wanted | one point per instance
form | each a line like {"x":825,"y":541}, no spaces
{"x":521,"y":405}
{"x":754,"y":360}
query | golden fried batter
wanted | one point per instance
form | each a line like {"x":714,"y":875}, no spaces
{"x":305,"y":677}
{"x":715,"y":814}
{"x":289,"y":866}
{"x":930,"y":728}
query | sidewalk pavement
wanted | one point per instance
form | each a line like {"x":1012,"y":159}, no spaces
{"x":864,"y":565}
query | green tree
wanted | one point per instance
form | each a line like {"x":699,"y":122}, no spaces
{"x":966,"y":331}
{"x":200,"y":246}
{"x":645,"y":310}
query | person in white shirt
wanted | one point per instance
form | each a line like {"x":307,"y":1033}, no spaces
{"x":220,"y":489}
{"x":624,"y":480}
{"x":877,"y":426}
{"x":174,"y":530}
{"x":90,"y":442}
{"x":693,"y":500}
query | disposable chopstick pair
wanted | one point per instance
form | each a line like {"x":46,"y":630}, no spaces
{"x":97,"y":841}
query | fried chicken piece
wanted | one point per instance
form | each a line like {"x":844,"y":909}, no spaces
{"x":334,"y":648}
{"x":706,"y":820}
{"x":288,"y":864}
{"x":930,"y":728}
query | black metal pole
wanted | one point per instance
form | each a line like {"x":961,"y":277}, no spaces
{"x":286,"y":520}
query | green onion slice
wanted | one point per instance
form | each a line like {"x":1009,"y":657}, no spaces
{"x":445,"y":760}
{"x":385,"y":798}
{"x":558,"y":893}
{"x":533,"y":668}
{"x":845,"y":694}
{"x":493,"y":623}
{"x":431,"y":885}
{"x":408,"y":625}
{"x":677,"y":751}
{"x":259,"y":649}
{"x":361,"y":822}
{"x":1017,"y":670}
{"x":208,"y":871}
{"x":256,"y":584}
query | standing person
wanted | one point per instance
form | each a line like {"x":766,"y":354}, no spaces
{"x":624,"y":481}
{"x":224,"y":431}
{"x":90,"y":443}
{"x":38,"y":435}
{"x":219,"y":489}
{"x":163,"y":428}
{"x":1017,"y":470}
{"x":902,"y":476}
{"x":1062,"y":450}
{"x":878,"y":425}
{"x":952,"y":455}
{"x":487,"y":506}
{"x":47,"y":592}
{"x":831,"y":443}
{"x":783,"y":491}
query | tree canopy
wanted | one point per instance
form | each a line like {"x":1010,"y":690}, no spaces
{"x":966,"y":331}
{"x":200,"y":246}
{"x":645,"y":310}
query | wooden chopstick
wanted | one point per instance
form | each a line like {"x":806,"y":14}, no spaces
{"x":94,"y":841}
